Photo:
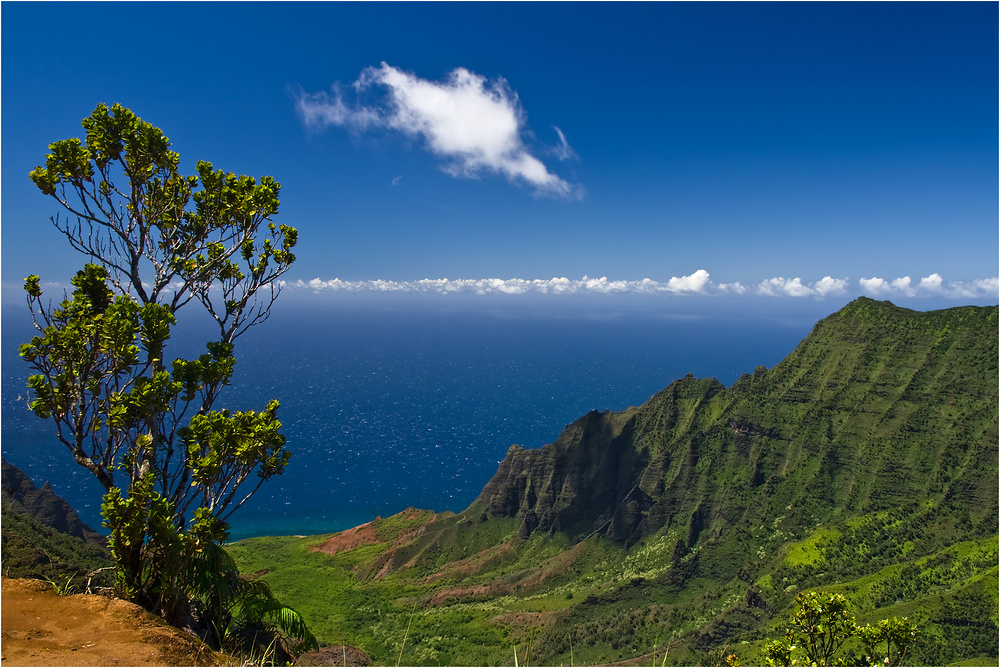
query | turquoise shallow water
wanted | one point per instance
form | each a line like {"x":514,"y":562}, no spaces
{"x":386,"y":408}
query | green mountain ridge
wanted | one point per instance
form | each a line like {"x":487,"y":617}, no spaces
{"x":865,"y":462}
{"x":835,"y":425}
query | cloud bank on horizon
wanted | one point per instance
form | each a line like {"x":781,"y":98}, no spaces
{"x":697,"y":283}
{"x":473,"y":125}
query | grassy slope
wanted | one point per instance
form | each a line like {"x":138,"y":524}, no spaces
{"x":865,"y":463}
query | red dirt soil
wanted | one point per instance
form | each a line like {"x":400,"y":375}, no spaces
{"x":349,"y":539}
{"x":40,"y":628}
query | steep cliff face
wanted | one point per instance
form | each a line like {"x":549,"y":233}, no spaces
{"x":603,"y":473}
{"x":878,"y":407}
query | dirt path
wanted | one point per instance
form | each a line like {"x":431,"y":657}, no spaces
{"x":40,"y":628}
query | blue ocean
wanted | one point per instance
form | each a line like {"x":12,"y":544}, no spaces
{"x":390,"y":404}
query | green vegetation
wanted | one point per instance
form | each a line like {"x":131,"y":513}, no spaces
{"x":246,"y":618}
{"x":584,"y":600}
{"x":31,"y":549}
{"x":682,"y":531}
{"x":174,"y":465}
{"x":822,"y":626}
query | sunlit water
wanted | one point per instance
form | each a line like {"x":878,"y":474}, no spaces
{"x":386,"y":408}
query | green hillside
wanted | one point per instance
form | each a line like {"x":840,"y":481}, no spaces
{"x":679,"y":531}
{"x":31,"y":549}
{"x":42,"y":537}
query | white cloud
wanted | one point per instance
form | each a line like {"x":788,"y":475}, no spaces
{"x":875,"y":286}
{"x":903,"y":286}
{"x":794,"y":287}
{"x":988,"y":286}
{"x":830,"y":286}
{"x":779,"y":286}
{"x":318,"y":110}
{"x":933,"y":283}
{"x":559,"y":285}
{"x":976,"y":288}
{"x":697,"y":283}
{"x":930,"y":286}
{"x":564,"y":151}
{"x":602,"y":284}
{"x":475,"y":126}
{"x":511,"y":286}
{"x":735,"y":288}
{"x":982,"y":287}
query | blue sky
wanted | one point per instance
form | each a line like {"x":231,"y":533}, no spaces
{"x":814,"y":151}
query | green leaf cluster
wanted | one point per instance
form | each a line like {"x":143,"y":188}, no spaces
{"x":165,"y":237}
{"x":823,"y":624}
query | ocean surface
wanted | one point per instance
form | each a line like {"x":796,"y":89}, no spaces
{"x":392,"y":404}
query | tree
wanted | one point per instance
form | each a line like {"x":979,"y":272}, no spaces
{"x":894,"y":634}
{"x":174,"y":467}
{"x":823,"y":624}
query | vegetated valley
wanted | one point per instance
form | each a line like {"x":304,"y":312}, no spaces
{"x":680,"y":531}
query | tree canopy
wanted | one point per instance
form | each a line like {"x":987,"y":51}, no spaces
{"x":821,"y":627}
{"x":174,"y":466}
